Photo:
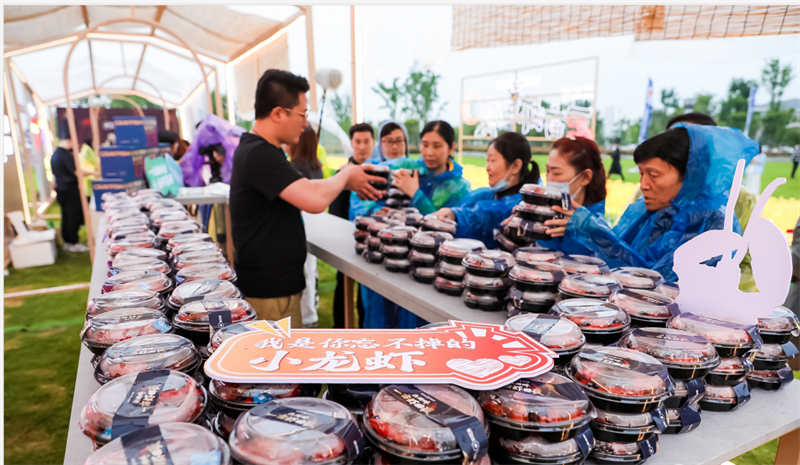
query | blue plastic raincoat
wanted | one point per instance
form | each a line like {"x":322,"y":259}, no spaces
{"x":479,"y":213}
{"x":570,"y":243}
{"x":649,"y":238}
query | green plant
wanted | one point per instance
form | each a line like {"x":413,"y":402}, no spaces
{"x":421,"y":92}
{"x":390,"y":96}
{"x":412,"y":126}
{"x":343,"y":109}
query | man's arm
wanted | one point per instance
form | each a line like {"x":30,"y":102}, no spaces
{"x":315,"y":196}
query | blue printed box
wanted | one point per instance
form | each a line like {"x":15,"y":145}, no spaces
{"x":101,"y":186}
{"x":121,"y":163}
{"x":136,"y":131}
{"x":154,"y":152}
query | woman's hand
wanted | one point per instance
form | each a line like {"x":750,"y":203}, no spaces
{"x":445,"y":214}
{"x":560,"y":224}
{"x":408,"y":183}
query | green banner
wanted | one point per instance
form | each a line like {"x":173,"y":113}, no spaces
{"x":160,"y":177}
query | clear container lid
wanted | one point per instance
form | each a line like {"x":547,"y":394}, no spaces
{"x":430,"y":238}
{"x":205,"y":271}
{"x":531,"y":297}
{"x":469,"y":297}
{"x":490,"y":260}
{"x":637,"y":278}
{"x":450,"y":269}
{"x":719,"y":330}
{"x":397,"y":232}
{"x":186,"y":238}
{"x":672,"y":347}
{"x":197,"y":258}
{"x":132,"y":234}
{"x":223,"y":334}
{"x":160,"y":203}
{"x":184,"y":441}
{"x":732,"y":366}
{"x":377,"y":168}
{"x":364,"y":221}
{"x":536,"y":273}
{"x":301,"y":430}
{"x":781,"y":320}
{"x":397,"y":262}
{"x":416,"y":255}
{"x":523,"y":225}
{"x":169,"y":211}
{"x":624,"y":420}
{"x":140,"y":253}
{"x":424,"y":272}
{"x":151,"y":352}
{"x":771,"y":352}
{"x":589,"y":285}
{"x":112,"y":327}
{"x":373,"y":240}
{"x":194,"y":315}
{"x":438,"y":224}
{"x":548,"y":401}
{"x":181,"y":400}
{"x":404,"y":431}
{"x":446,"y":284}
{"x":115,"y":247}
{"x":200,"y":246}
{"x":593,"y":315}
{"x":167,"y":217}
{"x":148,"y":280}
{"x":458,"y":248}
{"x":617,"y":449}
{"x":398,"y":249}
{"x":410,"y":219}
{"x":534,"y":448}
{"x":771,"y":376}
{"x":142,"y":265}
{"x":554,"y":332}
{"x":722,"y":394}
{"x":372,"y":255}
{"x":127,"y":298}
{"x":128,"y":220}
{"x":583,"y":264}
{"x":543,"y":210}
{"x":620,"y":373}
{"x":202,"y":290}
{"x":535,"y":189}
{"x":645,"y":304}
{"x":113,"y":233}
{"x":378,"y":226}
{"x":483,"y":283}
{"x":249,"y":394}
{"x":361,"y":235}
{"x":536,"y":254}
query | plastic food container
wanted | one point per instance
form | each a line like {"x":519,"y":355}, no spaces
{"x":558,"y":334}
{"x":725,"y":398}
{"x":168,"y":231}
{"x":151,"y":352}
{"x":628,"y":427}
{"x":129,"y":298}
{"x":450,"y":271}
{"x":528,"y":301}
{"x":192,"y":320}
{"x":202,"y":290}
{"x":180,"y":399}
{"x":183,"y":441}
{"x":621,"y":380}
{"x":115,"y":247}
{"x":205,"y":271}
{"x":773,"y":356}
{"x":397,"y":235}
{"x":187,"y":238}
{"x":363,"y":222}
{"x":398,"y":203}
{"x":537,"y":213}
{"x":523,"y":231}
{"x":637,"y":278}
{"x":540,"y":195}
{"x":487,"y":303}
{"x":373,"y":244}
{"x":614,"y":453}
{"x":296,"y":431}
{"x":670,"y":290}
{"x":423,"y":275}
{"x":147,"y":280}
{"x":646,"y":308}
{"x":600,"y":322}
{"x":200,"y":246}
{"x":730,"y":371}
{"x":454,"y":251}
{"x":686,"y":392}
{"x":770,"y":380}
{"x":396,"y":193}
{"x":686,"y":355}
{"x":420,"y":259}
{"x":583,"y":264}
{"x":428,"y":242}
{"x":394,"y":251}
{"x":682,"y":420}
{"x":141,"y":264}
{"x":198,"y":258}
{"x":360,"y":235}
{"x":488,"y":263}
{"x":536,"y":254}
{"x":409,"y":218}
{"x":396,"y":265}
{"x":504,"y":243}
{"x":395,"y":427}
{"x":779,"y":327}
{"x":372,"y":256}
{"x":133,"y":234}
{"x":361,"y":247}
{"x":480,"y":286}
{"x":222,"y":425}
{"x":234,"y":398}
{"x":226,"y":333}
{"x":107,"y":329}
{"x":140,"y":253}
{"x":587,"y":285}
{"x":537,"y":451}
{"x":432,"y":223}
{"x":731,"y":337}
{"x":536,"y":276}
{"x":446,"y":286}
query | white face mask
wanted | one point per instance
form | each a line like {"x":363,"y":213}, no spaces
{"x":564,"y":186}
{"x":504,"y":183}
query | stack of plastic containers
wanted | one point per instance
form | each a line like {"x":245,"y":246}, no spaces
{"x":362,"y":232}
{"x":432,"y":223}
{"x":601,"y":322}
{"x":646,"y":308}
{"x":150,"y":352}
{"x":776,"y":329}
{"x":534,"y":285}
{"x":528,"y":225}
{"x":230,"y":400}
{"x":582,"y":264}
{"x":587,"y":286}
{"x":484,"y":285}
{"x":450,"y":271}
{"x":424,"y":254}
{"x":395,"y":247}
{"x":184,"y":442}
{"x":382,"y":171}
{"x":372,"y":253}
{"x":194,"y":319}
{"x":557,"y":333}
{"x":628,"y":388}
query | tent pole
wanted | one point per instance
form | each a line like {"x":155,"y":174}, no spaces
{"x":353,"y":55}
{"x":29,"y":178}
{"x":218,"y":97}
{"x":17,"y":142}
{"x":312,"y":80}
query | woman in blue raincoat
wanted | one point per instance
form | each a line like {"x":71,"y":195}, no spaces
{"x":508,"y":165}
{"x":686,"y":172}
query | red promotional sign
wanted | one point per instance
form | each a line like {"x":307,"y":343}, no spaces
{"x":472,"y":355}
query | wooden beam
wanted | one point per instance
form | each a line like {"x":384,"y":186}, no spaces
{"x":85,"y":12}
{"x":265,"y":36}
{"x":159,"y":13}
{"x":88,"y":92}
{"x":354,"y":107}
{"x":218,"y":97}
{"x":312,"y":80}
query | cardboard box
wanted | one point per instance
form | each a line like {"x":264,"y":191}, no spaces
{"x":122,"y":163}
{"x":101,"y":186}
{"x":136,"y":131}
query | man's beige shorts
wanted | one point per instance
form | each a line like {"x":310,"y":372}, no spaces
{"x":279,"y":308}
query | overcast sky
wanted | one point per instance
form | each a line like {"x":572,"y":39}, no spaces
{"x":396,"y":39}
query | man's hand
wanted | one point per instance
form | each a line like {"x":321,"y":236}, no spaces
{"x":561,"y":224}
{"x":359,"y":181}
{"x":408,"y":183}
{"x":445,"y":214}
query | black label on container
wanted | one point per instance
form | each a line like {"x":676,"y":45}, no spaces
{"x":696,"y":390}
{"x":467,"y":429}
{"x":660,"y":418}
{"x":139,"y":403}
{"x":628,"y":364}
{"x":749,"y":329}
{"x":661,"y":302}
{"x":789,"y":349}
{"x":566,"y":201}
{"x":207,"y":286}
{"x":649,"y":446}
{"x":742,"y":391}
{"x":218,"y":319}
{"x":646,"y":332}
{"x":540,"y":326}
{"x":785,"y":376}
{"x":690,"y":418}
{"x":146,"y":446}
{"x":585,"y":441}
{"x":569,"y":391}
{"x":113,"y":272}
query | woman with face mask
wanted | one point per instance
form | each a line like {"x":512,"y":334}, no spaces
{"x":508,"y":165}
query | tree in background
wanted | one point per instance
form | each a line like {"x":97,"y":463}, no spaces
{"x":733,"y":110}
{"x":421,"y":93}
{"x":390,"y":96}
{"x":343,"y":109}
{"x":775,"y":79}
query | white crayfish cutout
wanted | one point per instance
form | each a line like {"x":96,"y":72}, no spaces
{"x":708,"y":265}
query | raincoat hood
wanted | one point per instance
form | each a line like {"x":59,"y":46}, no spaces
{"x":212,"y":130}
{"x":377,"y":153}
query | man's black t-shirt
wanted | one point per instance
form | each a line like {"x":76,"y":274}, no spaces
{"x":63,"y":165}
{"x":341,"y":204}
{"x":268,"y":232}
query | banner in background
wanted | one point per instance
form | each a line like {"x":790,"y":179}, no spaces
{"x":751,"y":103}
{"x":648,"y":111}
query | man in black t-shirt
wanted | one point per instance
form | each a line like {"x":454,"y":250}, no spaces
{"x":267,"y":195}
{"x":68,"y":195}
